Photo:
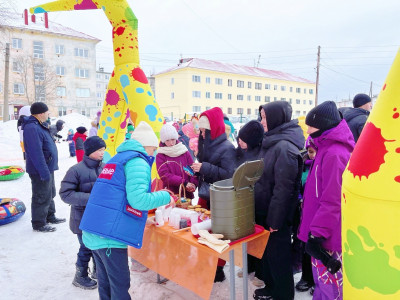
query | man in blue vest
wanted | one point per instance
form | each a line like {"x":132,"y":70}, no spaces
{"x":116,"y":212}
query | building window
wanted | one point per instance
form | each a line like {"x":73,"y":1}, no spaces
{"x":229,"y":82}
{"x":61,"y":91}
{"x":258,"y":86}
{"x":257,"y":98}
{"x":40,"y":93}
{"x":297,"y":101}
{"x":1,"y":88}
{"x":172,"y":80}
{"x":291,"y":89}
{"x":267,"y":86}
{"x":81,"y":52}
{"x":16,"y":67}
{"x":196,"y":78}
{"x":37,"y":49}
{"x":62,"y":111}
{"x":38,"y":71}
{"x":311,"y":91}
{"x":239,"y":111}
{"x":218,"y":81}
{"x":304,"y":112}
{"x":229,"y":96}
{"x":305,"y":91}
{"x":99,"y":95}
{"x":240,"y":84}
{"x":83,"y":111}
{"x":98,"y":76}
{"x":208,"y":95}
{"x":297,"y":113}
{"x":249,"y":85}
{"x":256,"y":111}
{"x":310,"y":102}
{"x":19,"y":88}
{"x":304,"y":101}
{"x":196,"y":108}
{"x":275,"y":99}
{"x":290,"y":100}
{"x":208,"y":80}
{"x":267,"y":99}
{"x":60,"y":71}
{"x":106,"y":77}
{"x":275,"y":87}
{"x":99,"y":104}
{"x":82,"y":93}
{"x":172,"y":95}
{"x":81,"y":73}
{"x":283,"y":88}
{"x":239,"y":97}
{"x":59,"y":49}
{"x":248,"y":97}
{"x":249,"y":111}
{"x":218,"y":95}
{"x":17,"y":43}
{"x":98,"y":85}
{"x":208,"y":107}
{"x":283,"y":99}
{"x":298,"y":90}
{"x":196,"y":94}
{"x":229,"y":110}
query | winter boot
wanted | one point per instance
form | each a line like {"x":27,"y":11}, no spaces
{"x":94,"y":273}
{"x":82,"y":279}
{"x":219,"y":274}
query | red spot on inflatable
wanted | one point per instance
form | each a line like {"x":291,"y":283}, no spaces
{"x":112,"y":74}
{"x":369,"y":153}
{"x":398,"y":150}
{"x":139,"y":75}
{"x":131,"y":47}
{"x":344,"y":197}
{"x":397,"y":178}
{"x":123,"y":48}
{"x":112,"y":97}
{"x":384,"y":87}
{"x":120,"y":30}
{"x":396,"y":115}
{"x":123,"y":21}
{"x":120,"y":55}
{"x":394,"y":109}
{"x":118,"y":49}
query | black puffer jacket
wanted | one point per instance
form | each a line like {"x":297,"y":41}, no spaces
{"x":356,"y":119}
{"x":76,"y":187}
{"x":276,"y":193}
{"x":246,"y":155}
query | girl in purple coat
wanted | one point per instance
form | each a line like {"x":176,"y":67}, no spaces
{"x":171,"y":158}
{"x":321,"y":222}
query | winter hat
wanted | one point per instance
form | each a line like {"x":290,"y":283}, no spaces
{"x":38,"y":108}
{"x":93,"y":144}
{"x":204,"y":123}
{"x":130,"y":128}
{"x":145,"y":135}
{"x":168,"y":132}
{"x":81,"y":129}
{"x":360,"y":100}
{"x":59,"y":125}
{"x":277,"y":113}
{"x":324,"y":116}
{"x":70,"y":131}
{"x":252,"y":133}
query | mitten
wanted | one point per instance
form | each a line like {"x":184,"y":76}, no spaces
{"x":315,"y":249}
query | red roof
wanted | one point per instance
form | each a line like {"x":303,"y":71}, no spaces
{"x":16,"y":20}
{"x":198,"y":63}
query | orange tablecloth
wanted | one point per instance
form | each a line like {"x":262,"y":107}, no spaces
{"x":180,"y":258}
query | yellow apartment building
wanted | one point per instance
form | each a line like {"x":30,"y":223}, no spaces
{"x":196,"y":85}
{"x":48,"y":62}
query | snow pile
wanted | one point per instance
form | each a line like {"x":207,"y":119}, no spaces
{"x":43,"y":264}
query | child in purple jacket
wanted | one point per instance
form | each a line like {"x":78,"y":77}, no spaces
{"x":321,"y":222}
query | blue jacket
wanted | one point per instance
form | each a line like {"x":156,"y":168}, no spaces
{"x":116,"y":212}
{"x":41,"y":151}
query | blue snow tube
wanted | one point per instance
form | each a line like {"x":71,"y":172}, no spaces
{"x":11,"y":209}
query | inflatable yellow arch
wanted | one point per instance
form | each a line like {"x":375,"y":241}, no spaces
{"x":371,"y":202}
{"x":128,"y":94}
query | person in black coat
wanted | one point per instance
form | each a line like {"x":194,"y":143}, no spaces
{"x":75,"y":190}
{"x":357,"y":117}
{"x":41,"y":162}
{"x":55,"y":129}
{"x":276,"y":196}
{"x":249,"y":142}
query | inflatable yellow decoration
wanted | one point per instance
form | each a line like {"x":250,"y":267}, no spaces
{"x":128,"y":94}
{"x":371,"y":202}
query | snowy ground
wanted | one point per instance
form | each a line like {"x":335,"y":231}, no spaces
{"x":37,"y":265}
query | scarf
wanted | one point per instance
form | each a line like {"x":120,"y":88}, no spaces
{"x":174,"y":151}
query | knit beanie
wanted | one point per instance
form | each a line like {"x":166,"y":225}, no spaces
{"x":360,"y":100}
{"x":168,"y":132}
{"x":70,"y":131}
{"x":324,"y":116}
{"x":252,"y":133}
{"x":92,"y":144}
{"x":81,"y":129}
{"x":204,"y":123}
{"x":145,"y":135}
{"x":38,"y":108}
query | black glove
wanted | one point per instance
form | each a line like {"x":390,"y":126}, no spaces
{"x":315,"y":249}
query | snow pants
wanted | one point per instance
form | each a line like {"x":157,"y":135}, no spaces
{"x":84,"y":254}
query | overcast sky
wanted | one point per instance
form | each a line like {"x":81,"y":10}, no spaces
{"x":359,"y":38}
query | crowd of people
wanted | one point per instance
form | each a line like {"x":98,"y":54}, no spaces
{"x":297,"y":199}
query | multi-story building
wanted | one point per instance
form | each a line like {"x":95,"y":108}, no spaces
{"x":195,"y":85}
{"x":48,"y":62}
{"x":102,"y":79}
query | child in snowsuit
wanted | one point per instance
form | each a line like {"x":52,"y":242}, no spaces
{"x":79,"y":137}
{"x":75,"y":191}
{"x":71,"y":143}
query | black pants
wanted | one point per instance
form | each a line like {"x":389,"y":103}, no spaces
{"x":84,"y":254}
{"x":277,"y":262}
{"x":42,"y":205}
